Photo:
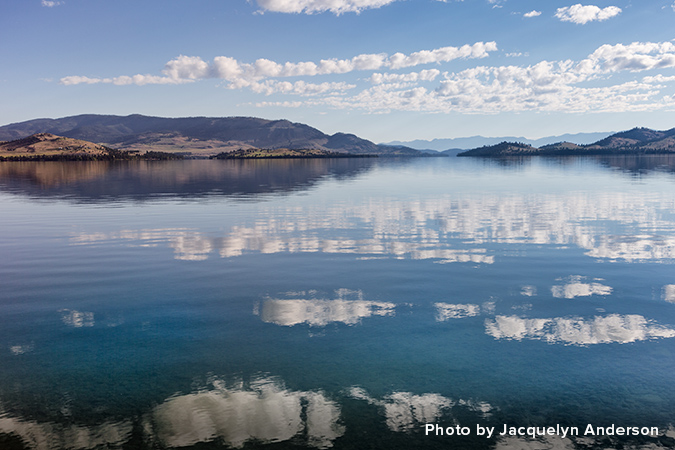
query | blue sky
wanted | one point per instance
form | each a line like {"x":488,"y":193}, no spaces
{"x":382,"y":69}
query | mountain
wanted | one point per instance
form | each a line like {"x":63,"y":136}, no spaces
{"x":634,"y":141}
{"x":455,"y":145}
{"x":197,"y":135}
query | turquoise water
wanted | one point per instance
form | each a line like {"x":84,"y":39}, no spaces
{"x":335,"y":303}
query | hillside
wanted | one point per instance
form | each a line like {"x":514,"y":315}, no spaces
{"x":47,"y":146}
{"x":197,"y":135}
{"x":502,"y":149}
{"x":631,"y":142}
{"x":47,"y":143}
{"x":284,"y":153}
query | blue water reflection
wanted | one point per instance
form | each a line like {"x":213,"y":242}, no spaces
{"x":339,"y":304}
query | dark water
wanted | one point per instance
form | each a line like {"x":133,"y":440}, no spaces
{"x":336,"y":303}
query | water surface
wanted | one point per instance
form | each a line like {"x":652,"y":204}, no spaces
{"x":334,"y":303}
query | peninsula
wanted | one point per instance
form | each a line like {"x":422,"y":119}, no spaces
{"x":637,"y":141}
{"x":50,"y":147}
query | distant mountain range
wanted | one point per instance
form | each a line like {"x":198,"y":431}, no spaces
{"x":457,"y":145}
{"x":634,"y":141}
{"x":197,"y":135}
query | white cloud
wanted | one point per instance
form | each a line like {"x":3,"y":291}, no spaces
{"x":424,"y":75}
{"x":285,"y":104}
{"x":545,"y":86}
{"x":123,"y":80}
{"x":634,"y":57}
{"x":555,"y":86}
{"x":187,"y":67}
{"x":658,"y":79}
{"x":582,"y":14}
{"x":75,"y":79}
{"x":269,"y":87}
{"x":477,"y":50}
{"x":50,"y":4}
{"x":533,"y":13}
{"x":318,"y":6}
{"x":190,"y":68}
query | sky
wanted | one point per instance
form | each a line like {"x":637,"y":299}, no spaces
{"x":384,"y":70}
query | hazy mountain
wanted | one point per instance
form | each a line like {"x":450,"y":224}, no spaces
{"x":199,"y":135}
{"x":458,"y":144}
{"x":634,"y":141}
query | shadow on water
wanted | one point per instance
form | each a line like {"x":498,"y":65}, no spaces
{"x":96,"y":181}
{"x":636,"y":166}
{"x":105,"y":181}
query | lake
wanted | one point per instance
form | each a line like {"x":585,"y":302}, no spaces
{"x":337,"y":303}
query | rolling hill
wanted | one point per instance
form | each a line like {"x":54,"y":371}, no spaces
{"x":630,"y":142}
{"x":197,"y":135}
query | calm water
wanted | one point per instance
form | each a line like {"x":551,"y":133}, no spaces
{"x":335,"y":303}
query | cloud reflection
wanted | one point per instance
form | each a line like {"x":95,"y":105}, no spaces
{"x":405,"y":411}
{"x":77,"y":319}
{"x":543,"y":443}
{"x":614,"y":226}
{"x":445,"y":311}
{"x":613,"y":328}
{"x":265,"y":411}
{"x":51,"y":436}
{"x":191,"y":245}
{"x":21,"y":349}
{"x":669,"y":293}
{"x":321,"y":312}
{"x":575,"y":287}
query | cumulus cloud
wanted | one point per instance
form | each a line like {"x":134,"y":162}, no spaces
{"x":635,"y":57}
{"x":586,"y":85}
{"x":75,"y":79}
{"x":185,"y":69}
{"x":556,"y":86}
{"x":545,"y":86}
{"x":477,"y":50}
{"x":50,"y":4}
{"x":303,"y":88}
{"x":582,"y":14}
{"x":533,"y":13}
{"x":318,"y":6}
{"x":424,"y":75}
